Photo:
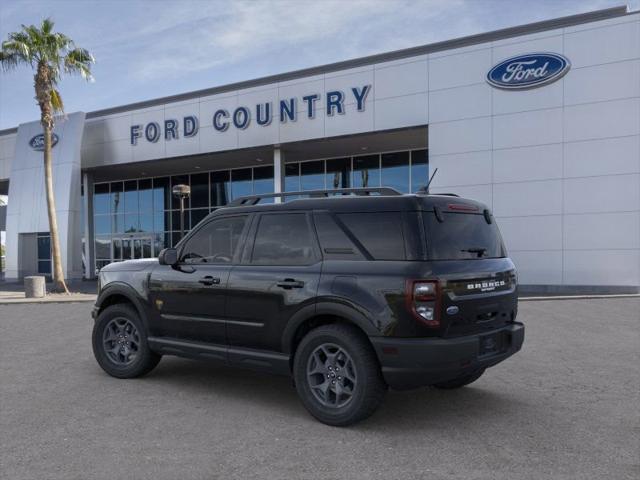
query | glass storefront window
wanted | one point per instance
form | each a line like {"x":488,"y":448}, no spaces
{"x":312,"y":175}
{"x":145,"y":195}
{"x":338,"y":173}
{"x":117,"y":206}
{"x":200,"y":190}
{"x":241,"y":180}
{"x":395,"y":171}
{"x":197,"y":215}
{"x":101,"y":198}
{"x":366,"y":171}
{"x":292,"y":177}
{"x":419,"y":169}
{"x":161,"y":194}
{"x":131,"y":223}
{"x":220,"y":188}
{"x":102,"y":224}
{"x":131,"y":203}
{"x":263,"y":180}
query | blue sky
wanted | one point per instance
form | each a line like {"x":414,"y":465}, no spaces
{"x":149,"y":49}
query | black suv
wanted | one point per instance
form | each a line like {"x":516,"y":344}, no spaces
{"x":348,"y":291}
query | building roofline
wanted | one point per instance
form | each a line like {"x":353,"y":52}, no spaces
{"x":494,"y":35}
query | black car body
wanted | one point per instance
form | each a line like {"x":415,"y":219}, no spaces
{"x":423,"y":279}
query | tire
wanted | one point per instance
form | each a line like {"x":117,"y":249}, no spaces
{"x":130,"y":356}
{"x":460,"y":381}
{"x":359,"y":387}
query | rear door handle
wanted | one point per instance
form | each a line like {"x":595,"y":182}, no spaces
{"x":289,"y":283}
{"x":209,"y":280}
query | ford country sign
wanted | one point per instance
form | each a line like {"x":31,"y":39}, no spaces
{"x":528,"y":71}
{"x":37,"y":142}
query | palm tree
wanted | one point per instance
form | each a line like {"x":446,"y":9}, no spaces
{"x":50,"y":55}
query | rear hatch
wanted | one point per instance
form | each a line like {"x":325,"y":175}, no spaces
{"x":478,"y":286}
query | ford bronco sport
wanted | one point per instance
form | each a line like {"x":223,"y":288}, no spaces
{"x":349,"y":292}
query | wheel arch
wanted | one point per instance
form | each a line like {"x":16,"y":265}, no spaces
{"x":120,"y":293}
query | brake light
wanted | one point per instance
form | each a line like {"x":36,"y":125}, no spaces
{"x":423,"y":301}
{"x":461,"y":207}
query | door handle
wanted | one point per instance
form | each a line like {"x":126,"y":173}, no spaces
{"x":209,"y":280}
{"x":289,"y":283}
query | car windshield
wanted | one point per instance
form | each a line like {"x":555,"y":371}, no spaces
{"x":462,"y":236}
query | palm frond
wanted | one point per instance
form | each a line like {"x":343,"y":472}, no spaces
{"x":79,"y":61}
{"x":56,"y":101}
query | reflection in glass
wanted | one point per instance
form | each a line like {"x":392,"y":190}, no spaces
{"x":241,"y":182}
{"x":338,"y":173}
{"x":44,"y":247}
{"x":395,"y":171}
{"x":419,"y":169}
{"x":366,"y":171}
{"x":161,"y":194}
{"x":126,"y":248}
{"x":116,"y":198}
{"x":145,"y":195}
{"x":220,"y":188}
{"x":263,"y":181}
{"x":179,"y":180}
{"x":117,"y":249}
{"x":198,"y":215}
{"x":101,"y":198}
{"x":312,"y":175}
{"x":146,"y":222}
{"x":292,"y":177}
{"x":103,"y":248}
{"x":131,"y":223}
{"x":200,"y":190}
{"x":131,"y":196}
{"x":161,"y":222}
{"x":44,"y":267}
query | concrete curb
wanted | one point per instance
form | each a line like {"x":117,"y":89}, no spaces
{"x":70,"y":299}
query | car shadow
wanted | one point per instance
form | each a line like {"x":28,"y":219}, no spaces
{"x":421,"y":409}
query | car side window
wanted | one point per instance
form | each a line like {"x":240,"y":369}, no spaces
{"x":283,"y":239}
{"x":216,"y":242}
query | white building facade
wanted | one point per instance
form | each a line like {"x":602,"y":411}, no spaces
{"x":541,"y":122}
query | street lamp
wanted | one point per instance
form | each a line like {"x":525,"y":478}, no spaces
{"x":182,"y":192}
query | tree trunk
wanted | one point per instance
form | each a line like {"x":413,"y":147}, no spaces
{"x":59,"y":284}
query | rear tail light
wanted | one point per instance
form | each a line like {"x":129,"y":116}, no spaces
{"x":423,"y":301}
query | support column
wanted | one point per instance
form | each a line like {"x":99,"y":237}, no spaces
{"x":278,"y":172}
{"x":89,"y":260}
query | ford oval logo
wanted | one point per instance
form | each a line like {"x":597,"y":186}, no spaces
{"x":452,"y":310}
{"x":528,"y":71}
{"x":37,"y":142}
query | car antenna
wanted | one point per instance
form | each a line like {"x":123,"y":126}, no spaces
{"x":425,"y":189}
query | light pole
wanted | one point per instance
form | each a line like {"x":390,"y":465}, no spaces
{"x":182,"y":192}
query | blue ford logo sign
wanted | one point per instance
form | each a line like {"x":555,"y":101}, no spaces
{"x":37,"y":142}
{"x":528,"y":71}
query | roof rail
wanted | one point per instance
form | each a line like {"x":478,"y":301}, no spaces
{"x":254,"y":199}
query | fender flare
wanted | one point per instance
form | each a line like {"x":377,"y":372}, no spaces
{"x":342,"y":310}
{"x":127,"y":291}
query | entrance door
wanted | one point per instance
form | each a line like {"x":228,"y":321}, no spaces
{"x":132,"y":248}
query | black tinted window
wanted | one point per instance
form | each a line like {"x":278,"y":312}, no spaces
{"x":216,"y":242}
{"x":283,"y":240}
{"x":462,"y":236}
{"x":379,"y":233}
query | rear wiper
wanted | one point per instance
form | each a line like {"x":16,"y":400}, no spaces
{"x":479,"y":250}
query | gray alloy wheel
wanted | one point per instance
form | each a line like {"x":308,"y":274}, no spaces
{"x":121,"y":341}
{"x":331,"y":375}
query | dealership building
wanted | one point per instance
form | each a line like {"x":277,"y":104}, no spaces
{"x":541,"y":122}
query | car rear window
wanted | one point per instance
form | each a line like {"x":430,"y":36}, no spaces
{"x":380,"y":233}
{"x":462,"y":236}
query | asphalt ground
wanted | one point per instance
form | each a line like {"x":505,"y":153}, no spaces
{"x":567,"y":406}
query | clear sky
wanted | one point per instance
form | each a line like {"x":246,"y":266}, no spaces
{"x":149,"y":49}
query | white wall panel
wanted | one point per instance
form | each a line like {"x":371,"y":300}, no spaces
{"x":401,"y":112}
{"x":351,"y":122}
{"x":602,"y":82}
{"x":212,"y":140}
{"x":600,"y":231}
{"x":480,"y":193}
{"x":460,"y":136}
{"x":459,"y":103}
{"x":549,"y":41}
{"x":602,"y":267}
{"x":538,"y":268}
{"x":304,"y":128}
{"x":345,"y":82}
{"x":471,"y":168}
{"x":608,"y":156}
{"x":403,"y":79}
{"x":527,"y":128}
{"x":549,"y":96}
{"x":539,"y":162}
{"x":601,"y":120}
{"x":456,"y":70}
{"x":602,"y":194}
{"x":543,"y":232}
{"x":527,"y":198}
{"x":603,"y":45}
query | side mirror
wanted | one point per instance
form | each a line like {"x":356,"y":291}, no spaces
{"x":168,"y":256}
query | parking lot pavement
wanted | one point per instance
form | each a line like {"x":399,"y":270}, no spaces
{"x":565,"y":407}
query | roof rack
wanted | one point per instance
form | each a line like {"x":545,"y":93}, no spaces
{"x":254,"y":199}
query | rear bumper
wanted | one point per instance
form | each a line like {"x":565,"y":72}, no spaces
{"x":414,"y":362}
